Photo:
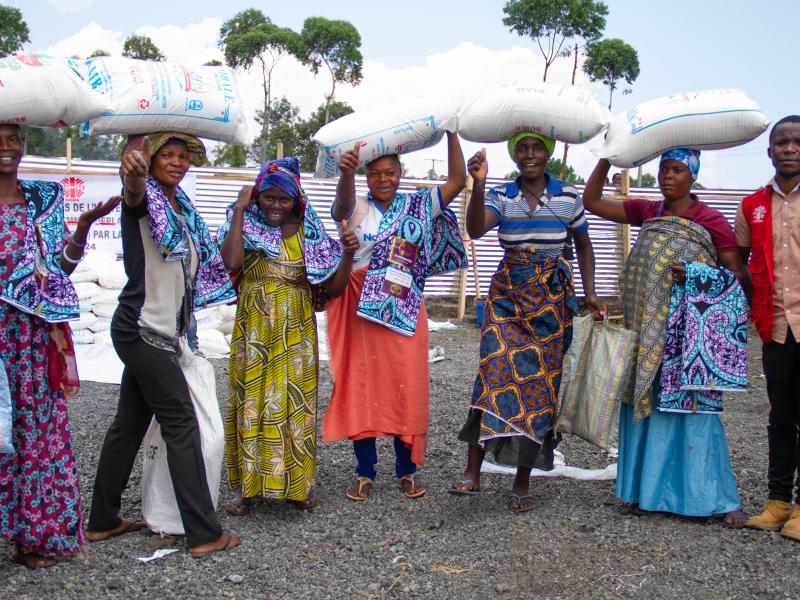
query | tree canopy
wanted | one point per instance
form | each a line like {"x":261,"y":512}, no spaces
{"x":552,"y":23}
{"x":553,"y":169}
{"x":142,"y":47}
{"x":250,"y":38}
{"x":610,"y":61}
{"x":99,"y":52}
{"x":14,"y":31}
{"x":335,"y":44}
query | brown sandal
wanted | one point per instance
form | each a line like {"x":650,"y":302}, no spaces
{"x":238,"y":508}
{"x":360,"y":490}
{"x":310,"y":503}
{"x":411,"y":486}
{"x":121,"y":529}
{"x":227,"y":541}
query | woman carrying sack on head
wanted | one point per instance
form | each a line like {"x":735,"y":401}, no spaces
{"x":40,"y":504}
{"x":173,"y":267}
{"x":275,"y":238}
{"x":378,"y":327}
{"x":527,"y":325}
{"x":670,"y":459}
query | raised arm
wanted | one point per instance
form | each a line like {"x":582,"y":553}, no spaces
{"x":135,"y":168}
{"x":479,"y":218}
{"x":76,"y":243}
{"x":456,"y":171}
{"x":346,"y":188}
{"x":232,"y":248}
{"x":336,"y":285}
{"x":593,"y":200}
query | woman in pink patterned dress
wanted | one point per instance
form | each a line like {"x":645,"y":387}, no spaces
{"x":40,"y":507}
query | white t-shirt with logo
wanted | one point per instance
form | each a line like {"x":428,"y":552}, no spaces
{"x":367,"y":230}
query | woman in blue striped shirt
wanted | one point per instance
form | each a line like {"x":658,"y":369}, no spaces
{"x":527,"y":325}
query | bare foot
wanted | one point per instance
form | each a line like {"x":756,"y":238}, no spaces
{"x":239,"y":506}
{"x":227,"y":541}
{"x":734,"y":519}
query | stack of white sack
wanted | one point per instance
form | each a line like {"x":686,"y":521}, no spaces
{"x":567,"y":113}
{"x":98,"y":280}
{"x":396,"y":128}
{"x":37,"y":90}
{"x":214,"y":329}
{"x":147,"y":96}
{"x":704,"y":120}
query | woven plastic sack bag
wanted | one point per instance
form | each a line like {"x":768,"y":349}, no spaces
{"x":6,"y":413}
{"x":596,"y":370}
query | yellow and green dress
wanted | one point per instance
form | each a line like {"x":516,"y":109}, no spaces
{"x":270,"y":429}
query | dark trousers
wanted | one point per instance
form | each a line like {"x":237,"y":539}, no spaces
{"x":782,"y":370}
{"x":367,"y":457}
{"x":153,"y":384}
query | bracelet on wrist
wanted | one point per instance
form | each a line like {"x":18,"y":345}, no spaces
{"x":70,"y":260}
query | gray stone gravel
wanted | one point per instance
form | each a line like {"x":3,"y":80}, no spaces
{"x":579,"y":542}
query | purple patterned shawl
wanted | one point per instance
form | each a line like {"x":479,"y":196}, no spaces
{"x":321,"y":252}
{"x":211,"y":285}
{"x":441,"y":249}
{"x":38,"y":285}
{"x":705,"y":352}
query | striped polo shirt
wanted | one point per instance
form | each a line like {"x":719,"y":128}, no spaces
{"x":545,"y":229}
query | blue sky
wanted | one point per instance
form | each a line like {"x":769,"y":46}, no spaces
{"x":682,"y":46}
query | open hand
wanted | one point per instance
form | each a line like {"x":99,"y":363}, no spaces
{"x":100,"y":210}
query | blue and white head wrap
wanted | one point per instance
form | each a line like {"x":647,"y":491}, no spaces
{"x":689,"y":157}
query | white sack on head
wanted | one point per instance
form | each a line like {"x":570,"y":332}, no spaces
{"x":396,"y":128}
{"x":148,"y":96}
{"x":567,"y":113}
{"x":43,"y":91}
{"x":704,"y":120}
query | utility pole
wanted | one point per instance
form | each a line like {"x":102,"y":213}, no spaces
{"x":432,"y":171}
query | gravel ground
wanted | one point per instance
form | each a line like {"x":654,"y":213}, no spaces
{"x":579,"y":541}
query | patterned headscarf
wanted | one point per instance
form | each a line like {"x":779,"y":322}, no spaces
{"x":160,"y":139}
{"x":548,"y":142}
{"x":689,"y":157}
{"x":284,"y":174}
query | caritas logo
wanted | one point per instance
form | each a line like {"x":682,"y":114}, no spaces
{"x":759,"y":213}
{"x":74,"y":188}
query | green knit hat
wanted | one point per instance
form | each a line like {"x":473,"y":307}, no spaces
{"x":548,"y":142}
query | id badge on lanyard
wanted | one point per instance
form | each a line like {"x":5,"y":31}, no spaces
{"x":402,"y":258}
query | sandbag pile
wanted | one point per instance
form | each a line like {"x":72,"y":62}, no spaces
{"x":704,"y":120}
{"x":37,"y":90}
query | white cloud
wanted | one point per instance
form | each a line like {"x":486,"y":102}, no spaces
{"x":70,"y":6}
{"x":91,"y":37}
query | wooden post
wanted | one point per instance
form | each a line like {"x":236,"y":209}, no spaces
{"x":625,"y":229}
{"x":279,"y":149}
{"x":69,"y":154}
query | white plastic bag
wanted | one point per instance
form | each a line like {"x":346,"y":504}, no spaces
{"x":159,"y":507}
{"x":567,"y":113}
{"x":397,"y":128}
{"x":149,"y":96}
{"x":212,"y":343}
{"x":85,"y":321}
{"x":704,"y":120}
{"x":43,"y":91}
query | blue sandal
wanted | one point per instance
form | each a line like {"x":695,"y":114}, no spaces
{"x":519,"y":500}
{"x":473,"y":491}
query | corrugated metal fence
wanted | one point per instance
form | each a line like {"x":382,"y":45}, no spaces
{"x":218,"y":187}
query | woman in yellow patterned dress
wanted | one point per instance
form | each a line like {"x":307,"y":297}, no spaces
{"x":280,"y":248}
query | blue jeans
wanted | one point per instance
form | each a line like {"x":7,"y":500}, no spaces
{"x":367,"y":457}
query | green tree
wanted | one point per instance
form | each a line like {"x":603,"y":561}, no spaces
{"x":335,"y":44}
{"x":14,"y":31}
{"x":648,"y":180}
{"x":554,"y":23}
{"x":52,"y":142}
{"x":249,"y":38}
{"x":231,"y":155}
{"x":142,"y":47}
{"x":609,"y":61}
{"x":307,"y":128}
{"x":284,"y":119}
{"x":99,"y":52}
{"x":213,"y":63}
{"x":554,"y":168}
